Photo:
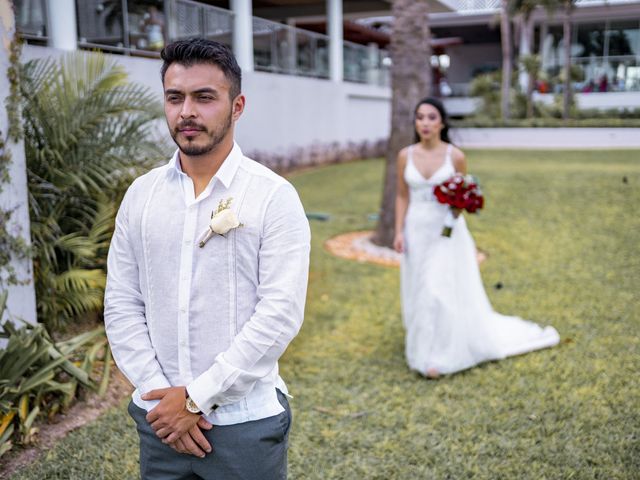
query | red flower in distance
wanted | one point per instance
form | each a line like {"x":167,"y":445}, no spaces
{"x":472,"y":201}
{"x":461,"y":192}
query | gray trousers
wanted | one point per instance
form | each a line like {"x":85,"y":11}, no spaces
{"x":254,"y":450}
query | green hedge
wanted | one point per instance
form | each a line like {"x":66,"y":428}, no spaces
{"x":547,"y":122}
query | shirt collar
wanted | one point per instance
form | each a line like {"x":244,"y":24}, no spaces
{"x":225,"y":173}
{"x":229,"y":167}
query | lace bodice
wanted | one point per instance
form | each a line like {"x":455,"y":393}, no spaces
{"x":421,"y":188}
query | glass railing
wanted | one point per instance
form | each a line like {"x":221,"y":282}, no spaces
{"x":31,"y":19}
{"x":356,"y":62}
{"x":608,"y":74}
{"x":191,"y":19}
{"x":143,"y":27}
{"x":284,"y":49}
{"x":120,"y":26}
{"x":366,"y":64}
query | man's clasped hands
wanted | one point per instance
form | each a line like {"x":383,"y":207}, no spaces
{"x":177,"y":427}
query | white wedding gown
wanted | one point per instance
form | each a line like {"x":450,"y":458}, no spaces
{"x":450,"y":324}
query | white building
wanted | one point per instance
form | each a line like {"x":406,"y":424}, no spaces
{"x":305,"y":90}
{"x":605,"y":45}
{"x":341,"y":75}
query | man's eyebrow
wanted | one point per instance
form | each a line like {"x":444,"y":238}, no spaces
{"x":206,"y":90}
{"x":170,"y":91}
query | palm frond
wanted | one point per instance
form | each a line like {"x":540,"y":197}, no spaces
{"x":86,"y":130}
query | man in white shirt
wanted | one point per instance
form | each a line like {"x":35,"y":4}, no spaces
{"x":207,"y":276}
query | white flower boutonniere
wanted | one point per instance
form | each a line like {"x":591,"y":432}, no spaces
{"x":222,"y":220}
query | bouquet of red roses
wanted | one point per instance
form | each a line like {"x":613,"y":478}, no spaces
{"x":460,"y":192}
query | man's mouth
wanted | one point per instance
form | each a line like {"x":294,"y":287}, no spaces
{"x":190,"y":129}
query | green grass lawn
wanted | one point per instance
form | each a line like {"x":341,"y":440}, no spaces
{"x":562,"y":232}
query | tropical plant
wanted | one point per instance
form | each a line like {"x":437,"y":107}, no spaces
{"x":38,"y":376}
{"x":531,"y":65}
{"x":566,"y":7}
{"x":410,"y":81}
{"x":507,"y":64}
{"x":522,"y":12}
{"x":528,"y":66}
{"x":88,"y":133}
{"x":487,"y":88}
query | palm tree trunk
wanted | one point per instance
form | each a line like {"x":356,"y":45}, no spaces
{"x":566,"y":94}
{"x":526,"y":51}
{"x":410,"y":81}
{"x":505,"y":33}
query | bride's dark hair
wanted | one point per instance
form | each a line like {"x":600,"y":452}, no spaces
{"x":437,"y":104}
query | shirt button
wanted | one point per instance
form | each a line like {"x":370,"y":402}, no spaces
{"x":183,"y":343}
{"x":183,"y":310}
{"x":187,"y":242}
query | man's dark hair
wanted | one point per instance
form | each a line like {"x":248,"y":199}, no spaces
{"x":195,"y":51}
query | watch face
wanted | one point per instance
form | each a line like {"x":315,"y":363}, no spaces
{"x":191,"y":406}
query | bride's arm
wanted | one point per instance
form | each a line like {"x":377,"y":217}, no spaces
{"x":402,"y":201}
{"x":459,"y":162}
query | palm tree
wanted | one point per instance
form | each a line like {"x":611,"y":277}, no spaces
{"x":410,"y":81}
{"x":505,"y":35}
{"x":88,"y":132}
{"x":522,"y":11}
{"x":531,"y":65}
{"x":567,"y":6}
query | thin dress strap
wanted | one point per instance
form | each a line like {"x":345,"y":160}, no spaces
{"x":409,"y":157}
{"x":447,"y":157}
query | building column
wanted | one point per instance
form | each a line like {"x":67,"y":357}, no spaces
{"x":373,"y":64}
{"x":335,"y":28}
{"x":21,"y":302}
{"x":292,"y":47}
{"x":542,"y":49}
{"x":243,"y":33}
{"x":61,"y":24}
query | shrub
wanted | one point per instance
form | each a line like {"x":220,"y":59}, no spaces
{"x":39,"y":377}
{"x":88,"y":133}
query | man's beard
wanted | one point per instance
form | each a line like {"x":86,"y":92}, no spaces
{"x":214,"y":138}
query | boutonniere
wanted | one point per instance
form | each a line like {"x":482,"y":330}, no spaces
{"x":222,"y":220}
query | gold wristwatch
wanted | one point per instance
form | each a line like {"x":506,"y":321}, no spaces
{"x":191,"y":406}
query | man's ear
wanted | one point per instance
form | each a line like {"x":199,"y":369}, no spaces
{"x":238,"y":106}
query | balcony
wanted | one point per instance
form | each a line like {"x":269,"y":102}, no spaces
{"x":142,"y":28}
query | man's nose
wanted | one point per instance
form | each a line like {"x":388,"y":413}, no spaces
{"x":188,"y":108}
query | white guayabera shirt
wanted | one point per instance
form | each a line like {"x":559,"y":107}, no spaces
{"x":217,"y":318}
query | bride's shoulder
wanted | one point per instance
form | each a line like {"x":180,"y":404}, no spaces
{"x":405,"y":151}
{"x":456,"y":153}
{"x":403,"y":154}
{"x":457,"y":158}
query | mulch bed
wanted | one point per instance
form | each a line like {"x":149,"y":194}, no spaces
{"x":358,"y":246}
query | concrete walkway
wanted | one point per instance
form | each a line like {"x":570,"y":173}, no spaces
{"x":546,"y":138}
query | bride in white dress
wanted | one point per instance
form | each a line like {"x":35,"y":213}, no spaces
{"x":450,"y":324}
